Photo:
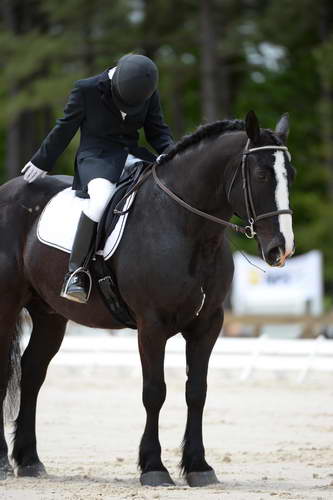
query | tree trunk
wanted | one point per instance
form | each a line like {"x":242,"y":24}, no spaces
{"x":25,"y":130}
{"x":326,"y":91}
{"x":150,"y":42}
{"x":208,"y":62}
{"x":177,"y":110}
{"x":88,"y":54}
{"x":224,"y":82}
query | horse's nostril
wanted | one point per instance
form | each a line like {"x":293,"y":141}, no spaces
{"x":274,"y":255}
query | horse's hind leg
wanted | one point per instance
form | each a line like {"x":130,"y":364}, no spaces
{"x":200,"y":341}
{"x":152,"y":348}
{"x":4,"y":376}
{"x":8,"y":319}
{"x":45,"y":341}
{"x":5,"y":467}
{"x":4,"y":463}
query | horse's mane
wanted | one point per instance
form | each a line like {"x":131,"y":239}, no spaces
{"x":209,"y":131}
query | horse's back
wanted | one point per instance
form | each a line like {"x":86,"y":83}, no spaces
{"x":21,"y":204}
{"x":39,"y":192}
{"x":17,"y":195}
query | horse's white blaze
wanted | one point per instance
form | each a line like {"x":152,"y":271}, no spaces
{"x":282,"y":202}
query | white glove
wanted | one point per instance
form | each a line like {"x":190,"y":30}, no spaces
{"x":160,"y":157}
{"x":31,"y":172}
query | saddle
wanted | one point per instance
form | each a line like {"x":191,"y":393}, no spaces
{"x":57,"y":227}
{"x":102,"y":272}
{"x":127,"y":181}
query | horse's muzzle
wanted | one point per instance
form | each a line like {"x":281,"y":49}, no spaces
{"x":275,"y":254}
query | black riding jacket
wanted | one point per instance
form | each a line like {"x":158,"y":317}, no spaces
{"x":105,"y":135}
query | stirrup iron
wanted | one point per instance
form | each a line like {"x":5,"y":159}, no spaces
{"x":64,"y":292}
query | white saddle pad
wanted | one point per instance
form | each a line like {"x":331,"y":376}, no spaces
{"x":59,"y":219}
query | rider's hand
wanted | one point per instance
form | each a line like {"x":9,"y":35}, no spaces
{"x":31,"y":172}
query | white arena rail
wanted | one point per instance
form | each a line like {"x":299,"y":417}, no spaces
{"x":95,"y":348}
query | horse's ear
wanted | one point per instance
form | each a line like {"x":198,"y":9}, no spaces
{"x":282,"y":127}
{"x":252,"y":127}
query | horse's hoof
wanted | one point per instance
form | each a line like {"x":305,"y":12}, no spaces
{"x":203,"y":478}
{"x":156,"y":478}
{"x":5,"y":468}
{"x":33,"y":470}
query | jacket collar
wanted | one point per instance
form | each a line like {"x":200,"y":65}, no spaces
{"x":103,"y":77}
{"x":104,"y":87}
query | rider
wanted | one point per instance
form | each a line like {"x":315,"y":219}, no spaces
{"x":109,"y":109}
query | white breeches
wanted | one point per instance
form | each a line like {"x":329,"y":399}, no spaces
{"x":131,"y":160}
{"x":100,"y":192}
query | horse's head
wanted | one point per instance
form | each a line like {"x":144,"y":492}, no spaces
{"x":262,"y":194}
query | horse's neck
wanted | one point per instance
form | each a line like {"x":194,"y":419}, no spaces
{"x":199,"y":176}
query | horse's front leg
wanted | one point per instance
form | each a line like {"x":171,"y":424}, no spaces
{"x":152,"y":348}
{"x":200,"y":340}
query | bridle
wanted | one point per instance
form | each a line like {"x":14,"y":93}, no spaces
{"x":252,"y":217}
{"x":251,"y":214}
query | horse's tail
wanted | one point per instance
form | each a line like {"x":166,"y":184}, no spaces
{"x":11,"y":405}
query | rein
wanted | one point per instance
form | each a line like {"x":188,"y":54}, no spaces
{"x":234,"y":227}
{"x":248,"y":197}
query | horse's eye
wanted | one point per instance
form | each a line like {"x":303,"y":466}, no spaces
{"x":261,"y":174}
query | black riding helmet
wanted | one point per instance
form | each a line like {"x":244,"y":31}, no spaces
{"x":133,"y":82}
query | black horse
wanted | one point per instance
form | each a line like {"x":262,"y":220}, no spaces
{"x":173,"y":268}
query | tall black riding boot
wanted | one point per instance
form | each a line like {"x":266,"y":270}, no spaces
{"x":77,"y":281}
